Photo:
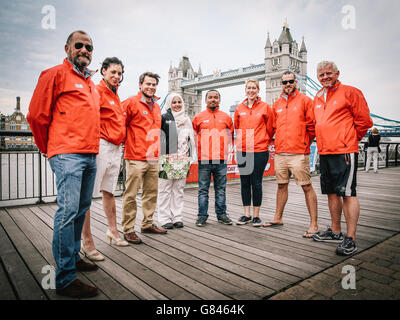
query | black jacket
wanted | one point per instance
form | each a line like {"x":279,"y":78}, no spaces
{"x":169,"y":134}
{"x":373,"y":140}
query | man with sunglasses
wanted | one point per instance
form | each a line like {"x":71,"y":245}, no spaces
{"x":64,"y":117}
{"x":294,"y":132}
{"x":342,"y":119}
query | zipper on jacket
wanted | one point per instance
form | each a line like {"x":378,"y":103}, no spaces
{"x":286,"y":120}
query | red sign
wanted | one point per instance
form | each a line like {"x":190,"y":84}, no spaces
{"x":233,"y":169}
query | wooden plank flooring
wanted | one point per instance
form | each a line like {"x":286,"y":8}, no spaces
{"x":216,"y":262}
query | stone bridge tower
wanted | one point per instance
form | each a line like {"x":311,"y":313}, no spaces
{"x":281,"y":55}
{"x":191,"y":97}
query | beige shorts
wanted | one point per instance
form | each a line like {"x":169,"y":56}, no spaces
{"x":108,"y":166}
{"x":297,"y":165}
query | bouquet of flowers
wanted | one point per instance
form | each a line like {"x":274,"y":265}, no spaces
{"x":173,"y":166}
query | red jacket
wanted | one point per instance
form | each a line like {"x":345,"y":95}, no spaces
{"x":342,"y":120}
{"x":253,"y":126}
{"x":64,"y":113}
{"x":214,"y":131}
{"x":294,"y":123}
{"x":143,"y":129}
{"x":112,"y":115}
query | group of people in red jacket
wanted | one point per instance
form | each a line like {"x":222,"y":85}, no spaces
{"x":84,"y":129}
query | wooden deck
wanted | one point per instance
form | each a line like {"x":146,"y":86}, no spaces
{"x":215,"y":262}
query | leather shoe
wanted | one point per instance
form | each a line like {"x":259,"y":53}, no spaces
{"x":178,"y":224}
{"x":154,"y":229}
{"x":132,"y":238}
{"x":78,"y":289}
{"x":82,"y":265}
{"x":168,"y":225}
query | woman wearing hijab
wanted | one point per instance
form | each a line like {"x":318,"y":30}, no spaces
{"x":177,"y":150}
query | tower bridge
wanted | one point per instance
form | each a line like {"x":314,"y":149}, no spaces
{"x":282,"y":54}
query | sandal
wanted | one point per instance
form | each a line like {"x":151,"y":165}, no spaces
{"x":93,"y":255}
{"x":309,"y":235}
{"x":272,"y":224}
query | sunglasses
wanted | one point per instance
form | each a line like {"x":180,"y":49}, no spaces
{"x":79,"y":45}
{"x":284,"y":82}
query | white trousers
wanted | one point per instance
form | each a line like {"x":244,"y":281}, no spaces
{"x":372,"y":153}
{"x":170,"y":200}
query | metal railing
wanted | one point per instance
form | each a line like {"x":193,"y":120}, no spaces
{"x":26,"y":175}
{"x":389,"y":155}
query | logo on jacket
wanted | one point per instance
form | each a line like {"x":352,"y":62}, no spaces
{"x":334,"y":102}
{"x":206,"y":121}
{"x":279,"y":110}
{"x":145,"y":112}
{"x":242,"y":113}
{"x":112,"y":102}
{"x":318,"y":106}
{"x":79,"y":85}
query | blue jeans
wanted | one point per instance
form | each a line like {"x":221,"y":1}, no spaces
{"x":75,"y":175}
{"x":218,"y":171}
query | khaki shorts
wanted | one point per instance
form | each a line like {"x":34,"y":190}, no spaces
{"x":297,"y":165}
{"x":108,"y":166}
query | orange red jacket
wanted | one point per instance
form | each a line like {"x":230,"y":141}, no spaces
{"x":294,"y":123}
{"x":112,"y":115}
{"x":253,"y":126}
{"x":143,"y":125}
{"x":64,"y":113}
{"x":342,"y":119}
{"x":214,"y":130}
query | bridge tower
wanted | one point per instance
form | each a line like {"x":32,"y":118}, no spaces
{"x":191,"y":97}
{"x":281,"y":55}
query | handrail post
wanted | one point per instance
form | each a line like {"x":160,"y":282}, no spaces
{"x":365,"y":159}
{"x":395,"y":155}
{"x":387,"y":155}
{"x":40,"y":179}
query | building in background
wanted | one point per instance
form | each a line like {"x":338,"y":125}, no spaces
{"x":20,"y":137}
{"x":283,"y":54}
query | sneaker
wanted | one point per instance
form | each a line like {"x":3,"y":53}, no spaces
{"x":328,"y":236}
{"x":201,"y":221}
{"x":347,"y":247}
{"x":223,"y":218}
{"x":243,"y":220}
{"x":257,"y":222}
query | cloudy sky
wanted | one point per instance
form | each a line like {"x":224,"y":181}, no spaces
{"x":216,"y":34}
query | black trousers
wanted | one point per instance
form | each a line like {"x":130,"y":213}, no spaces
{"x":251,"y":168}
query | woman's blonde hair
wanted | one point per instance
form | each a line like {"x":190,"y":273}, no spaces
{"x":254,"y":81}
{"x":375,"y":131}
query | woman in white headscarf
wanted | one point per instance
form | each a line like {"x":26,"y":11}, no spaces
{"x":177,"y":153}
